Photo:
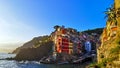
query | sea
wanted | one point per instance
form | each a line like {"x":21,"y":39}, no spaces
{"x":32,"y":64}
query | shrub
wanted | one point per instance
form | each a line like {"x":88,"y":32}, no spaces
{"x":115,"y":50}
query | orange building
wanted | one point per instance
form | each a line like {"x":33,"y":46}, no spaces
{"x":62,"y":42}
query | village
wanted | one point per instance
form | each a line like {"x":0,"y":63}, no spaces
{"x":71,"y":45}
{"x":60,"y":34}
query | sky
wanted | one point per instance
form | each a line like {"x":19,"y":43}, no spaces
{"x":21,"y":20}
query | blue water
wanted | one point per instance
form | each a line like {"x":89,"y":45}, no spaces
{"x":30,"y":64}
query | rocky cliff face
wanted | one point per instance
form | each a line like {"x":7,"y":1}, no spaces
{"x":30,"y":44}
{"x":109,"y":50}
{"x":35,"y":53}
{"x":34,"y":49}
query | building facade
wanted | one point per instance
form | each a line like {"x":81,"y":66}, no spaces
{"x":65,"y":41}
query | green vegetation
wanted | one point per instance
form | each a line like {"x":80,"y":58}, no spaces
{"x":35,"y":53}
{"x":35,"y":49}
{"x":102,"y":64}
{"x":102,"y":56}
{"x":113,"y":56}
{"x":41,"y":41}
{"x":105,"y":61}
{"x":93,"y":65}
{"x":97,"y":30}
{"x":115,"y":50}
{"x":111,"y":15}
{"x":118,"y":41}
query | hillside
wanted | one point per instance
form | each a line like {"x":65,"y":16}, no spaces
{"x":39,"y":47}
{"x":109,"y":50}
{"x":35,"y":53}
{"x":97,"y":30}
{"x":34,"y":42}
{"x":34,"y":49}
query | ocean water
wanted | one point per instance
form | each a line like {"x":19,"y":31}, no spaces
{"x":31,"y":64}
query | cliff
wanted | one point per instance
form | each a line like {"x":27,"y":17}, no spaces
{"x":109,"y":50}
{"x":30,"y":44}
{"x":35,"y":53}
{"x":34,"y":49}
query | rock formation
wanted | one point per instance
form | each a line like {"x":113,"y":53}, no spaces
{"x":34,"y":49}
{"x":109,"y":50}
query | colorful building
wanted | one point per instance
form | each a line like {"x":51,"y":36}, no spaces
{"x":63,"y":42}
